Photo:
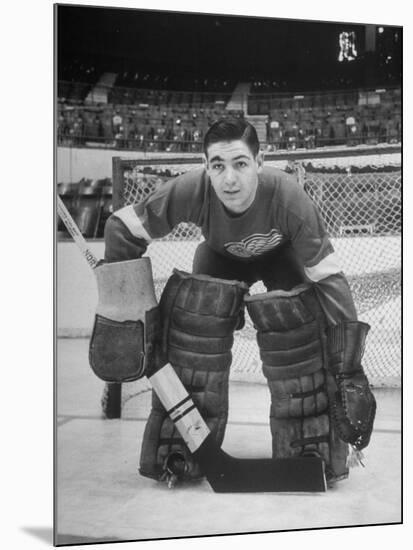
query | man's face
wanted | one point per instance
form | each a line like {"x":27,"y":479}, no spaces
{"x":233,"y":171}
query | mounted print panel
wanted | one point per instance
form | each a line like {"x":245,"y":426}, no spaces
{"x":228,"y":275}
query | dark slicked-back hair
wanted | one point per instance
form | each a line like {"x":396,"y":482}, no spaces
{"x":232,"y":129}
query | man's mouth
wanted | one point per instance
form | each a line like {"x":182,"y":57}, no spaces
{"x":232,"y":192}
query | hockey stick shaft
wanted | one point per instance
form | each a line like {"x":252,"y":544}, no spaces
{"x":179,"y":406}
{"x":75,"y":233}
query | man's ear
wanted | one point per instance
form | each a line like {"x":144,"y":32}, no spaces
{"x":259,"y":159}
{"x":205,"y":161}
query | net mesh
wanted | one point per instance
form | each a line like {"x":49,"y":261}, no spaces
{"x":363,"y":216}
{"x":359,"y":200}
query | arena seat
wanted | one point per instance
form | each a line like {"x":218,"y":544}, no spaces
{"x":88,"y":212}
{"x":146,"y":111}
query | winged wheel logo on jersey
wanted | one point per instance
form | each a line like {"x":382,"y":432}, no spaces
{"x":255,"y":244}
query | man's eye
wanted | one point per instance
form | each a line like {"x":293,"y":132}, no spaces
{"x":217,"y":167}
{"x":241,"y":164}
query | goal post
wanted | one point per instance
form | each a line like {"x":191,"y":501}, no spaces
{"x":358,"y":193}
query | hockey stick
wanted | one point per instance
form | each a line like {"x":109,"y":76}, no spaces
{"x":75,"y":233}
{"x":224,"y":473}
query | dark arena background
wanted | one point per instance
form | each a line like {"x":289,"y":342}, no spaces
{"x":136,"y":90}
{"x":169,"y":75}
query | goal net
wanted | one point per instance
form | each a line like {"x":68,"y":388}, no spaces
{"x":359,"y":197}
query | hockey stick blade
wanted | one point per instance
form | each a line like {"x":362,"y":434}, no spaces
{"x":228,"y":474}
{"x":225,"y":473}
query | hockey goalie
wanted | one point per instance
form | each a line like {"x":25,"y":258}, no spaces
{"x":258,"y":224}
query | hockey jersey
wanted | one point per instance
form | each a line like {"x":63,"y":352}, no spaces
{"x":280,"y":212}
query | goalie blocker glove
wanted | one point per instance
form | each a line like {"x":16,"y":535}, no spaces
{"x":126,"y":321}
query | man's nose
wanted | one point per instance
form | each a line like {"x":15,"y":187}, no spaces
{"x":230,"y":176}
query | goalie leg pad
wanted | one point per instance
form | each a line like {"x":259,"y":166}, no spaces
{"x":199,"y":315}
{"x":126,"y":321}
{"x":291,"y":338}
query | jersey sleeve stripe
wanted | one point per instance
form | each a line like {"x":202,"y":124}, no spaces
{"x":129,"y":217}
{"x":326,"y":267}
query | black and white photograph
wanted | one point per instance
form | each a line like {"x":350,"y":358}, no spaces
{"x":228,"y":290}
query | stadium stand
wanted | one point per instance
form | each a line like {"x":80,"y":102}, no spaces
{"x":152,"y":112}
{"x":159,"y":119}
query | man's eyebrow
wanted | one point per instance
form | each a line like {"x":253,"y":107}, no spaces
{"x":218,"y":158}
{"x":241,"y":157}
